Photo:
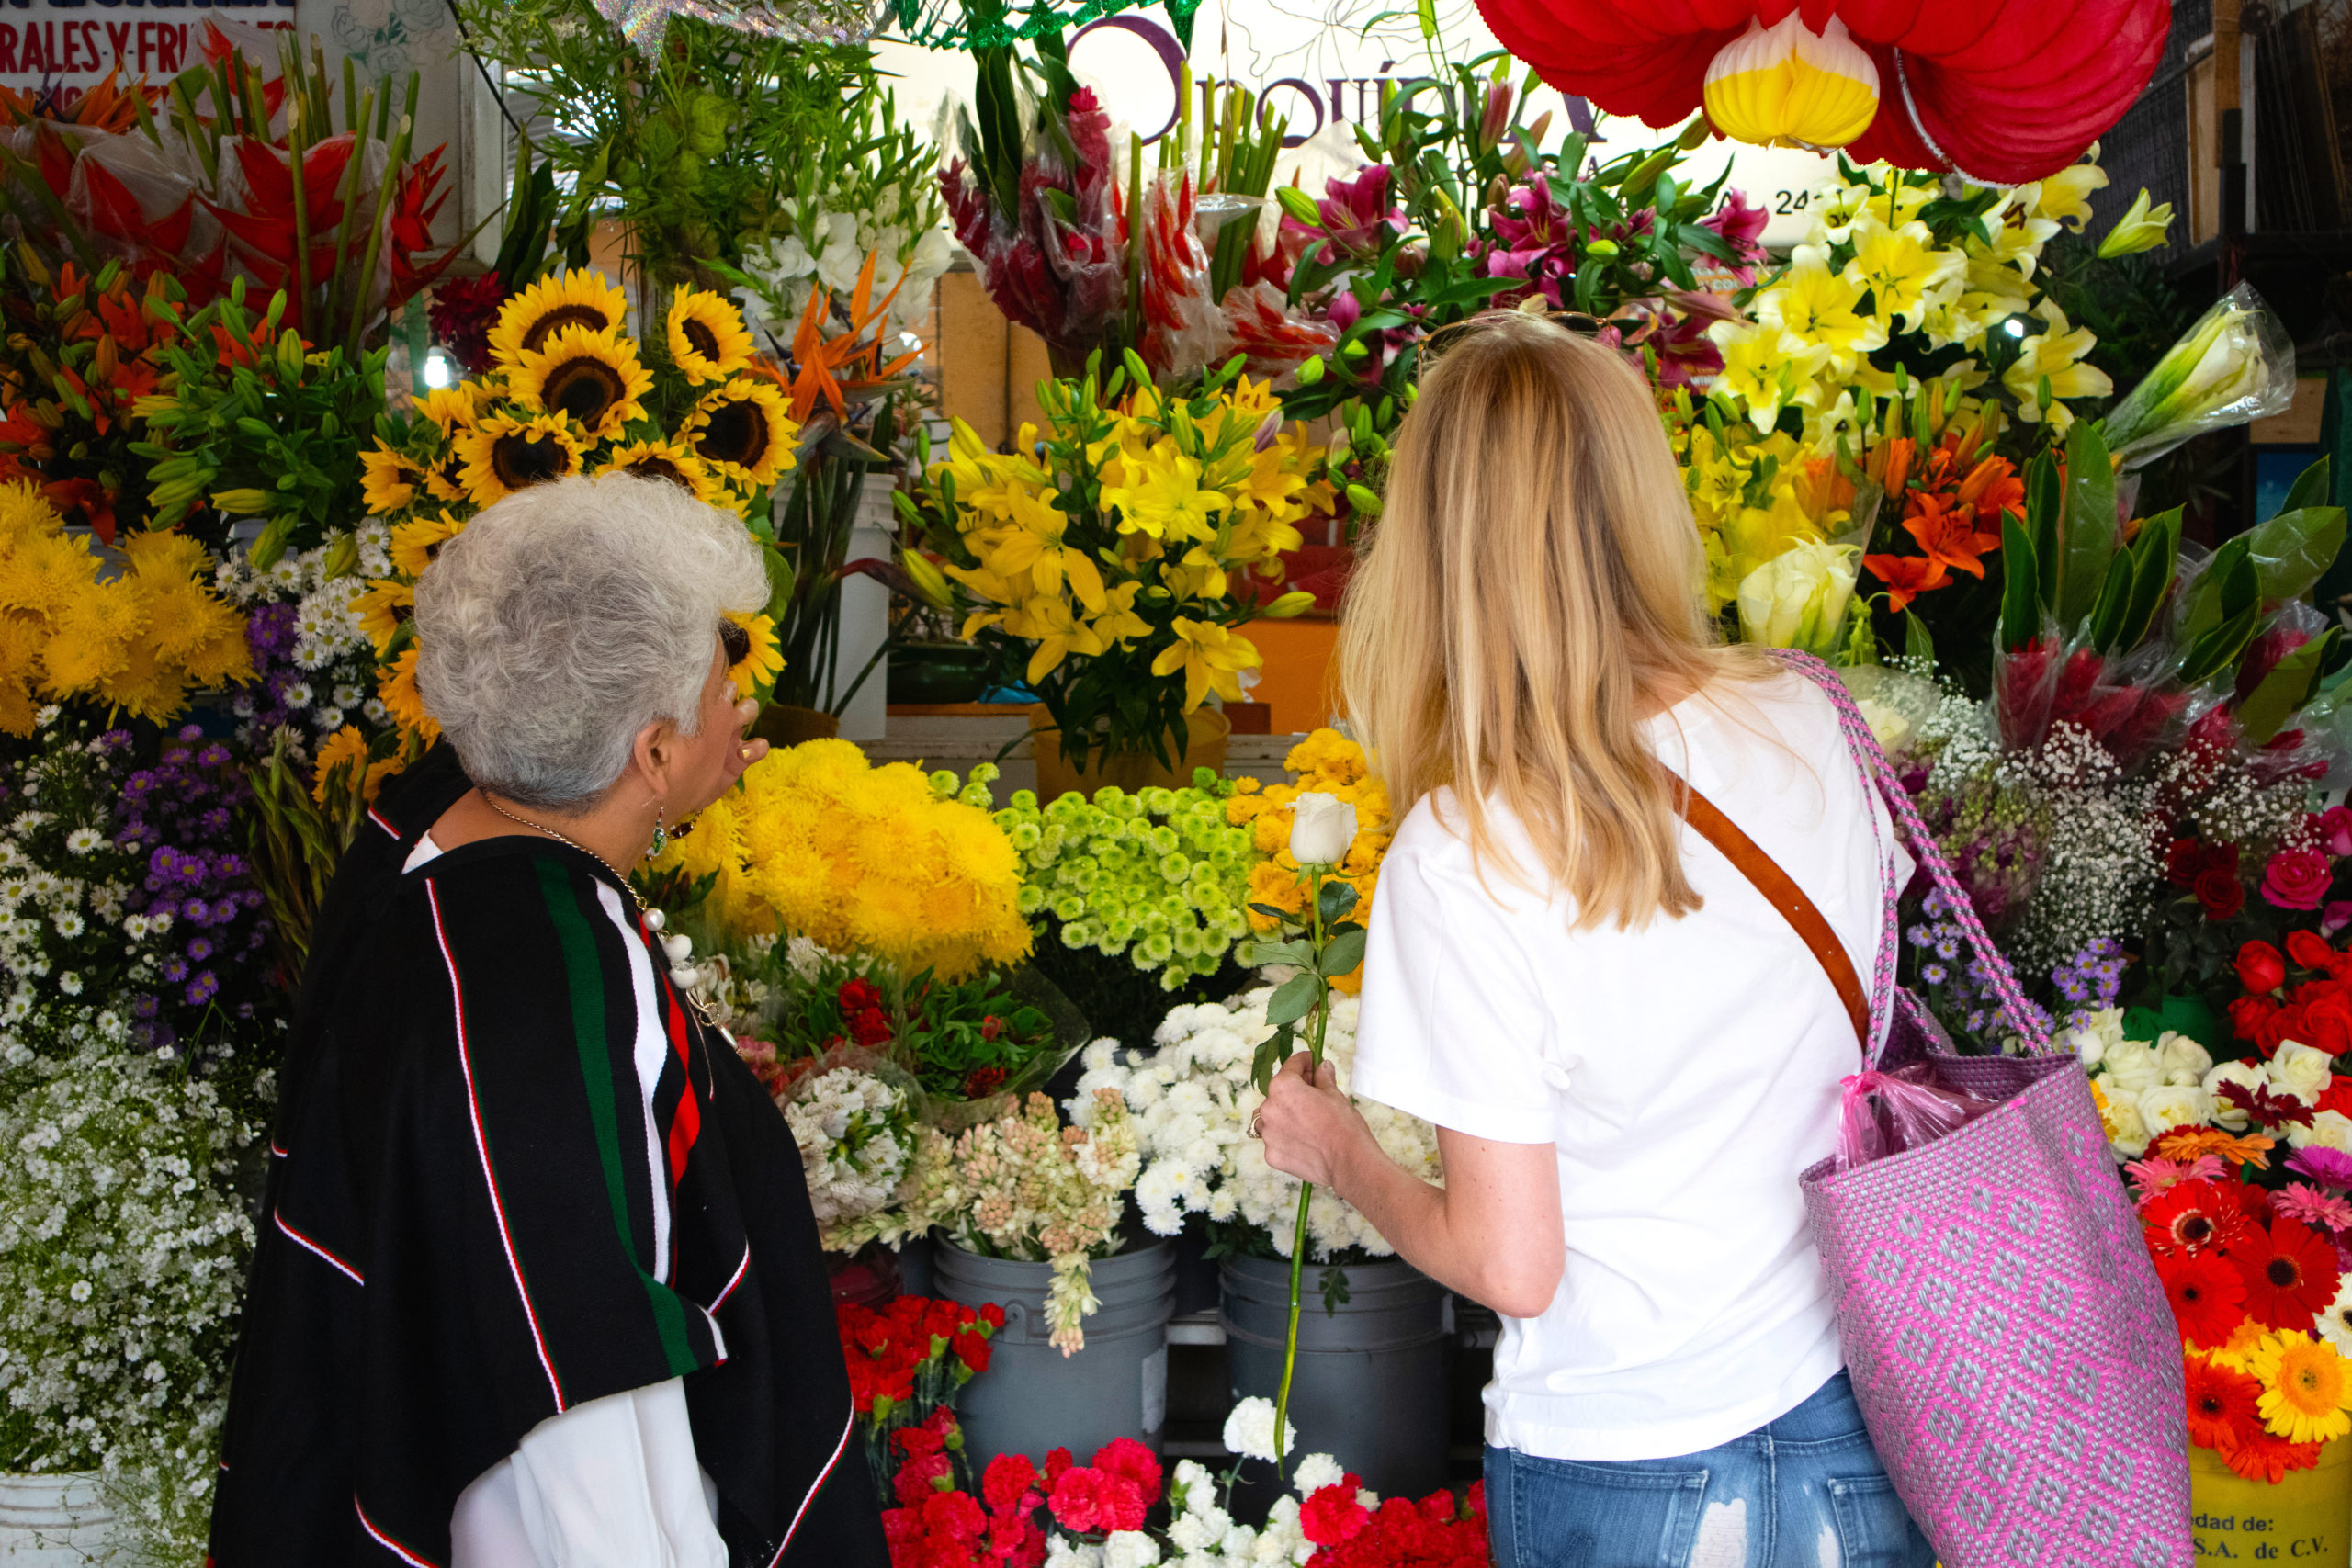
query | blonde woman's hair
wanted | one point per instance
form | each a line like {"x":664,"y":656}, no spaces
{"x":1532,"y":591}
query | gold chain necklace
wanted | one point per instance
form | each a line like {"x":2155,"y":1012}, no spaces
{"x":559,"y":838}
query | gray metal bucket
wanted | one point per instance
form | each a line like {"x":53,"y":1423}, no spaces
{"x":1033,"y":1399}
{"x":1371,"y":1384}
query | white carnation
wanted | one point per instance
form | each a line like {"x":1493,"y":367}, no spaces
{"x":1250,"y":1432}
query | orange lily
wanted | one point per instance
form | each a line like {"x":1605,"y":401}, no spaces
{"x":1948,"y":534}
{"x":1906,"y":576}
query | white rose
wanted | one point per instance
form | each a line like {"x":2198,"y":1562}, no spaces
{"x":2133,"y":1066}
{"x":2126,"y":1131}
{"x":2167,"y":1106}
{"x":1321,"y":829}
{"x":2185,"y":1061}
{"x":2302,"y":1071}
{"x":2100,"y":1033}
{"x":2329,"y":1130}
{"x":2247,"y":1074}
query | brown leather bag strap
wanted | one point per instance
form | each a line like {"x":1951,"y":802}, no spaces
{"x":1782,"y":892}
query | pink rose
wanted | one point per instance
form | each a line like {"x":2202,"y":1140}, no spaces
{"x":2297,"y":879}
{"x":2335,"y":830}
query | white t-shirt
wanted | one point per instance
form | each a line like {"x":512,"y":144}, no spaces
{"x":1686,"y":1073}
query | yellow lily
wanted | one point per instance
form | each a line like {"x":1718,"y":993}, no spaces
{"x":2142,"y":228}
{"x":1903,"y":268}
{"x":1048,"y":622}
{"x":1117,"y":622}
{"x":2056,"y":352}
{"x":1211,"y":656}
{"x":1162,"y":496}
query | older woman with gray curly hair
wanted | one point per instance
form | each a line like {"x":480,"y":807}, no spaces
{"x":538,"y":1281}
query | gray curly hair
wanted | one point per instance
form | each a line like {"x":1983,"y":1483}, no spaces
{"x":569,"y":616}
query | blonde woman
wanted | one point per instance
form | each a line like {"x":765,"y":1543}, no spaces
{"x":1629,"y":1054}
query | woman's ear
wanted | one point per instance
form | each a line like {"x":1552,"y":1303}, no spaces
{"x":654,"y":754}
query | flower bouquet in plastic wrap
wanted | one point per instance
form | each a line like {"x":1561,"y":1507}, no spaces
{"x":2234,"y":365}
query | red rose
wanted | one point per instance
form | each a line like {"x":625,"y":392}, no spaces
{"x":2247,"y":1015}
{"x":2297,"y":879}
{"x":2279,"y":1027}
{"x":1333,"y":1515}
{"x":2334,"y":825}
{"x":2309,"y":951}
{"x":2260,"y":969}
{"x":2327,"y":1021}
{"x":2184,"y":858}
{"x":2336,"y":1096}
{"x":870,"y":1026}
{"x":2220,"y":894}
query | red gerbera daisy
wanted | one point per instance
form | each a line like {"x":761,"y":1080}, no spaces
{"x":2222,"y":1403}
{"x":2208,"y":1296}
{"x":2258,"y":1454}
{"x":2194,"y":1216}
{"x":2289,"y":1272}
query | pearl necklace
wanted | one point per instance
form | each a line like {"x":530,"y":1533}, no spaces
{"x":691,"y":978}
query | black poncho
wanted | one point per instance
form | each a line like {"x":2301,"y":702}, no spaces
{"x":458,"y":1244}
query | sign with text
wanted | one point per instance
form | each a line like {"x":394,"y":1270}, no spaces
{"x":67,"y":46}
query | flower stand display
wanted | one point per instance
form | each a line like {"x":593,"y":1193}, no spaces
{"x":1037,"y":1397}
{"x":53,"y":1521}
{"x":1206,"y":730}
{"x":2306,"y":1516}
{"x":1373,"y":1363}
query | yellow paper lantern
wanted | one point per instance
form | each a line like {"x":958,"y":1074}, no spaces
{"x":1788,"y":87}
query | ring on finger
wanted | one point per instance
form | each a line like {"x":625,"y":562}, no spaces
{"x":1255,"y":1129}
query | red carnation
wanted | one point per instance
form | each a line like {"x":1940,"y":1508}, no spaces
{"x":2260,"y":968}
{"x":1057,"y":1461}
{"x":2289,"y":1271}
{"x":993,"y":1315}
{"x":856,"y":996}
{"x":973,"y":1350}
{"x":1007,"y":1480}
{"x":870,"y":1026}
{"x":983,"y":1082}
{"x":2219,"y":893}
{"x":2208,"y":1296}
{"x":1125,"y":1457}
{"x":955,"y":1516}
{"x":1076,"y":1499}
{"x":921,"y":1476}
{"x":1334,"y":1515}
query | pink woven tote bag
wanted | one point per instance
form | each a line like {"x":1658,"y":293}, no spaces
{"x":2011,"y":1349}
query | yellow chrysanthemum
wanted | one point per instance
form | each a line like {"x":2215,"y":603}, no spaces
{"x":758,"y":669}
{"x":388,"y":481}
{"x":594,"y":378}
{"x":708,"y":339}
{"x":742,"y":429}
{"x":400,"y":696}
{"x":418,"y":540}
{"x":528,"y":321}
{"x":672,"y":460}
{"x":505,"y":453}
{"x":2304,"y":1390}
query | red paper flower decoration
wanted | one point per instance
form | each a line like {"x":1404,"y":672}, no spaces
{"x":2004,"y":91}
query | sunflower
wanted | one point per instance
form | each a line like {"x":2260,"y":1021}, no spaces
{"x":707,"y":338}
{"x":450,"y":407}
{"x":764,"y":659}
{"x":505,"y":453}
{"x":742,"y":429}
{"x":417,"y":541}
{"x":592,"y":376}
{"x":528,"y":321}
{"x":2304,"y":1388}
{"x":382,"y":608}
{"x":387,"y":481}
{"x":672,"y":460}
{"x":399,"y":695}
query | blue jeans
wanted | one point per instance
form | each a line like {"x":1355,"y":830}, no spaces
{"x":1806,"y":1491}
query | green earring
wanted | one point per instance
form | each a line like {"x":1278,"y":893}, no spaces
{"x":661,"y":836}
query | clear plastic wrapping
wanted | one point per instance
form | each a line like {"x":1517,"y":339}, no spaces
{"x":2236,"y":366}
{"x":1887,"y":1112}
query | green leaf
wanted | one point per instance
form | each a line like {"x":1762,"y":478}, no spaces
{"x":2020,"y":609}
{"x":1342,"y":954}
{"x":2155,"y":556}
{"x":2310,"y":487}
{"x":2293,"y":550}
{"x":2089,"y":523}
{"x":2044,"y":515}
{"x":2219,"y":647}
{"x":1273,"y":1051}
{"x":2286,"y":688}
{"x":1293,"y":999}
{"x":1336,"y":902}
{"x":2114,"y":605}
{"x":1295,"y":955}
{"x":1271,"y":913}
{"x":2230,"y":567}
{"x":1917,"y":641}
